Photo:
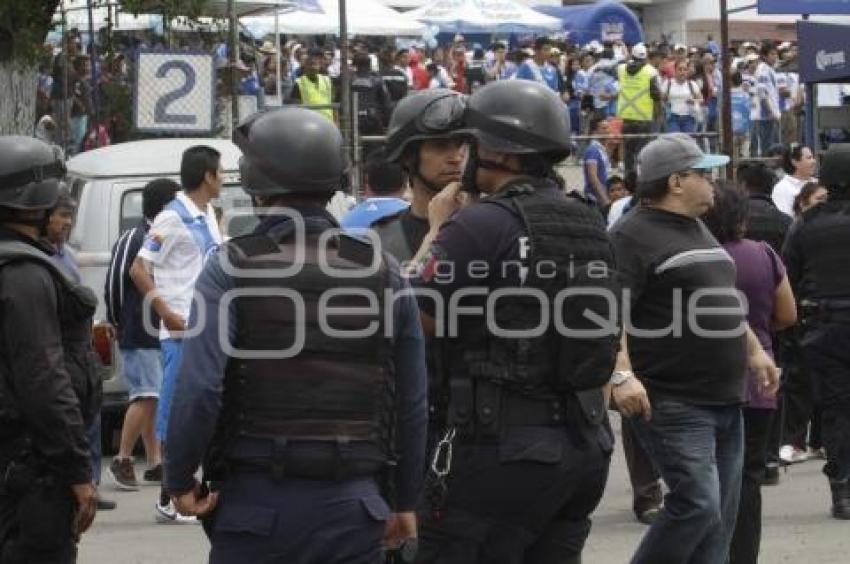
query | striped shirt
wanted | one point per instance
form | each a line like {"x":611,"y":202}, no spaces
{"x":123,"y":300}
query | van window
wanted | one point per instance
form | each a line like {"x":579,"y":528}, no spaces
{"x":76,"y":186}
{"x":232,"y":197}
{"x":131,"y":210}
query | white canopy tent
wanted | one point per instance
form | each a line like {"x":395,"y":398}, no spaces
{"x":365,"y":17}
{"x":218,"y":8}
{"x":484,"y":16}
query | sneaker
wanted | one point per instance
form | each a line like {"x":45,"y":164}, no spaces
{"x":123,"y":474}
{"x":789,"y":454}
{"x":153,"y":474}
{"x":105,"y":504}
{"x":168,"y":514}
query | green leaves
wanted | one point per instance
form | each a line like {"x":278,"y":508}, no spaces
{"x":23,"y":28}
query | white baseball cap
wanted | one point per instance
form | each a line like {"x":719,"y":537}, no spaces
{"x":639,"y":51}
{"x":680,"y":47}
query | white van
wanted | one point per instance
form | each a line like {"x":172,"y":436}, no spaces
{"x":107,"y":183}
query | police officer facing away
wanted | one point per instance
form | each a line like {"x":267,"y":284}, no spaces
{"x":49,"y":390}
{"x":311,"y":394}
{"x":527,"y":446}
{"x":419,"y":137}
{"x":818,"y":261}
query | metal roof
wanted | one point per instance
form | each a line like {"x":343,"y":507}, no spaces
{"x":151,"y":157}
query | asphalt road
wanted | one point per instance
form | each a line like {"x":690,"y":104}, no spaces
{"x":797,"y":526}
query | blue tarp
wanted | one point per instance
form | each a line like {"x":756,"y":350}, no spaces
{"x":804,"y":7}
{"x":603,"y":21}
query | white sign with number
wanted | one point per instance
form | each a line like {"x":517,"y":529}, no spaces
{"x":174,"y":92}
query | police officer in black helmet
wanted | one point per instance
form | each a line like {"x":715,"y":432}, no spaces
{"x":311,"y":396}
{"x":525,"y":453}
{"x":419,"y":137}
{"x":817,"y":256}
{"x":48,"y":391}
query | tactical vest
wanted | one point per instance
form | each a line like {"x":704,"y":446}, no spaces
{"x":634,"y":101}
{"x":370,"y":116}
{"x":567,"y":238}
{"x":823,"y":240}
{"x":393,"y":239}
{"x":76,"y":306}
{"x":319,"y":93}
{"x":335,"y":393}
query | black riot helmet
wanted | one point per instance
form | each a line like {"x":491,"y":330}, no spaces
{"x":429,"y":114}
{"x":290,"y":150}
{"x":30,"y":173}
{"x":835,"y":170}
{"x":521,"y":117}
{"x":518,"y":117}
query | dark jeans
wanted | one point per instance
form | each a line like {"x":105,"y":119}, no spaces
{"x":765,"y":134}
{"x":633,"y":146}
{"x":747,"y":538}
{"x":646,"y":487}
{"x":828,"y":359}
{"x":699,"y":451}
{"x":96,"y":449}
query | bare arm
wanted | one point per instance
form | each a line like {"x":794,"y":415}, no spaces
{"x":598,"y":188}
{"x":141,"y":277}
{"x":630,"y":397}
{"x":785,"y":307}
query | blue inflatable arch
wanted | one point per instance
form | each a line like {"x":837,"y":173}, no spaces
{"x":601,"y":21}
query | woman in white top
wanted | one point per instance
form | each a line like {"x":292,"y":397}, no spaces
{"x":682,"y":97}
{"x":799,"y":165}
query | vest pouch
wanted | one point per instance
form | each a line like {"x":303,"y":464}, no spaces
{"x":488,"y":408}
{"x":592,"y":403}
{"x":588,"y":343}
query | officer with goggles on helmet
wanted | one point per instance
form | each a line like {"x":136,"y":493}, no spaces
{"x":49,"y":388}
{"x":419,"y":137}
{"x":298,"y":392}
{"x":526,"y":446}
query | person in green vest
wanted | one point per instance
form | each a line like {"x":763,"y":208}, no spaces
{"x":638,"y":93}
{"x":313,"y":88}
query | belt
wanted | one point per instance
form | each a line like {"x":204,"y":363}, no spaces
{"x":335,"y":463}
{"x":483,"y":408}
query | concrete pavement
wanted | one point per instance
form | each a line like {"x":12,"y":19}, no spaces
{"x":797,"y":525}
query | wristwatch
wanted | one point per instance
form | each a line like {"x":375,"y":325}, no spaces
{"x":619,"y":377}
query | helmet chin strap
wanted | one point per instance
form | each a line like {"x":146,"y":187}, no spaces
{"x":474,"y":162}
{"x":414,"y":172}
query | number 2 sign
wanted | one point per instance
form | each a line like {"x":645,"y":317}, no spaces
{"x":174,"y":92}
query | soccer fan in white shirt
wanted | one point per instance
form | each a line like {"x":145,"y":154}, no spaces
{"x":165,"y":270}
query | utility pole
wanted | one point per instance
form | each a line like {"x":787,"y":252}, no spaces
{"x":232,"y":57}
{"x":345,"y":80}
{"x":726,"y":99}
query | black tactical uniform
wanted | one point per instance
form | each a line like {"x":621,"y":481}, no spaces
{"x":527,"y":446}
{"x":302,"y":436}
{"x":49,"y":385}
{"x":818,"y":260}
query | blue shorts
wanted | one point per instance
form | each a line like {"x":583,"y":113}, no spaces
{"x":142,"y":372}
{"x":171,"y":351}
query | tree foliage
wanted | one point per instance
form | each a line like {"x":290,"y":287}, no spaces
{"x":23,"y":28}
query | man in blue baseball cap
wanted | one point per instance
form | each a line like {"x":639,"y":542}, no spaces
{"x":681,"y":374}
